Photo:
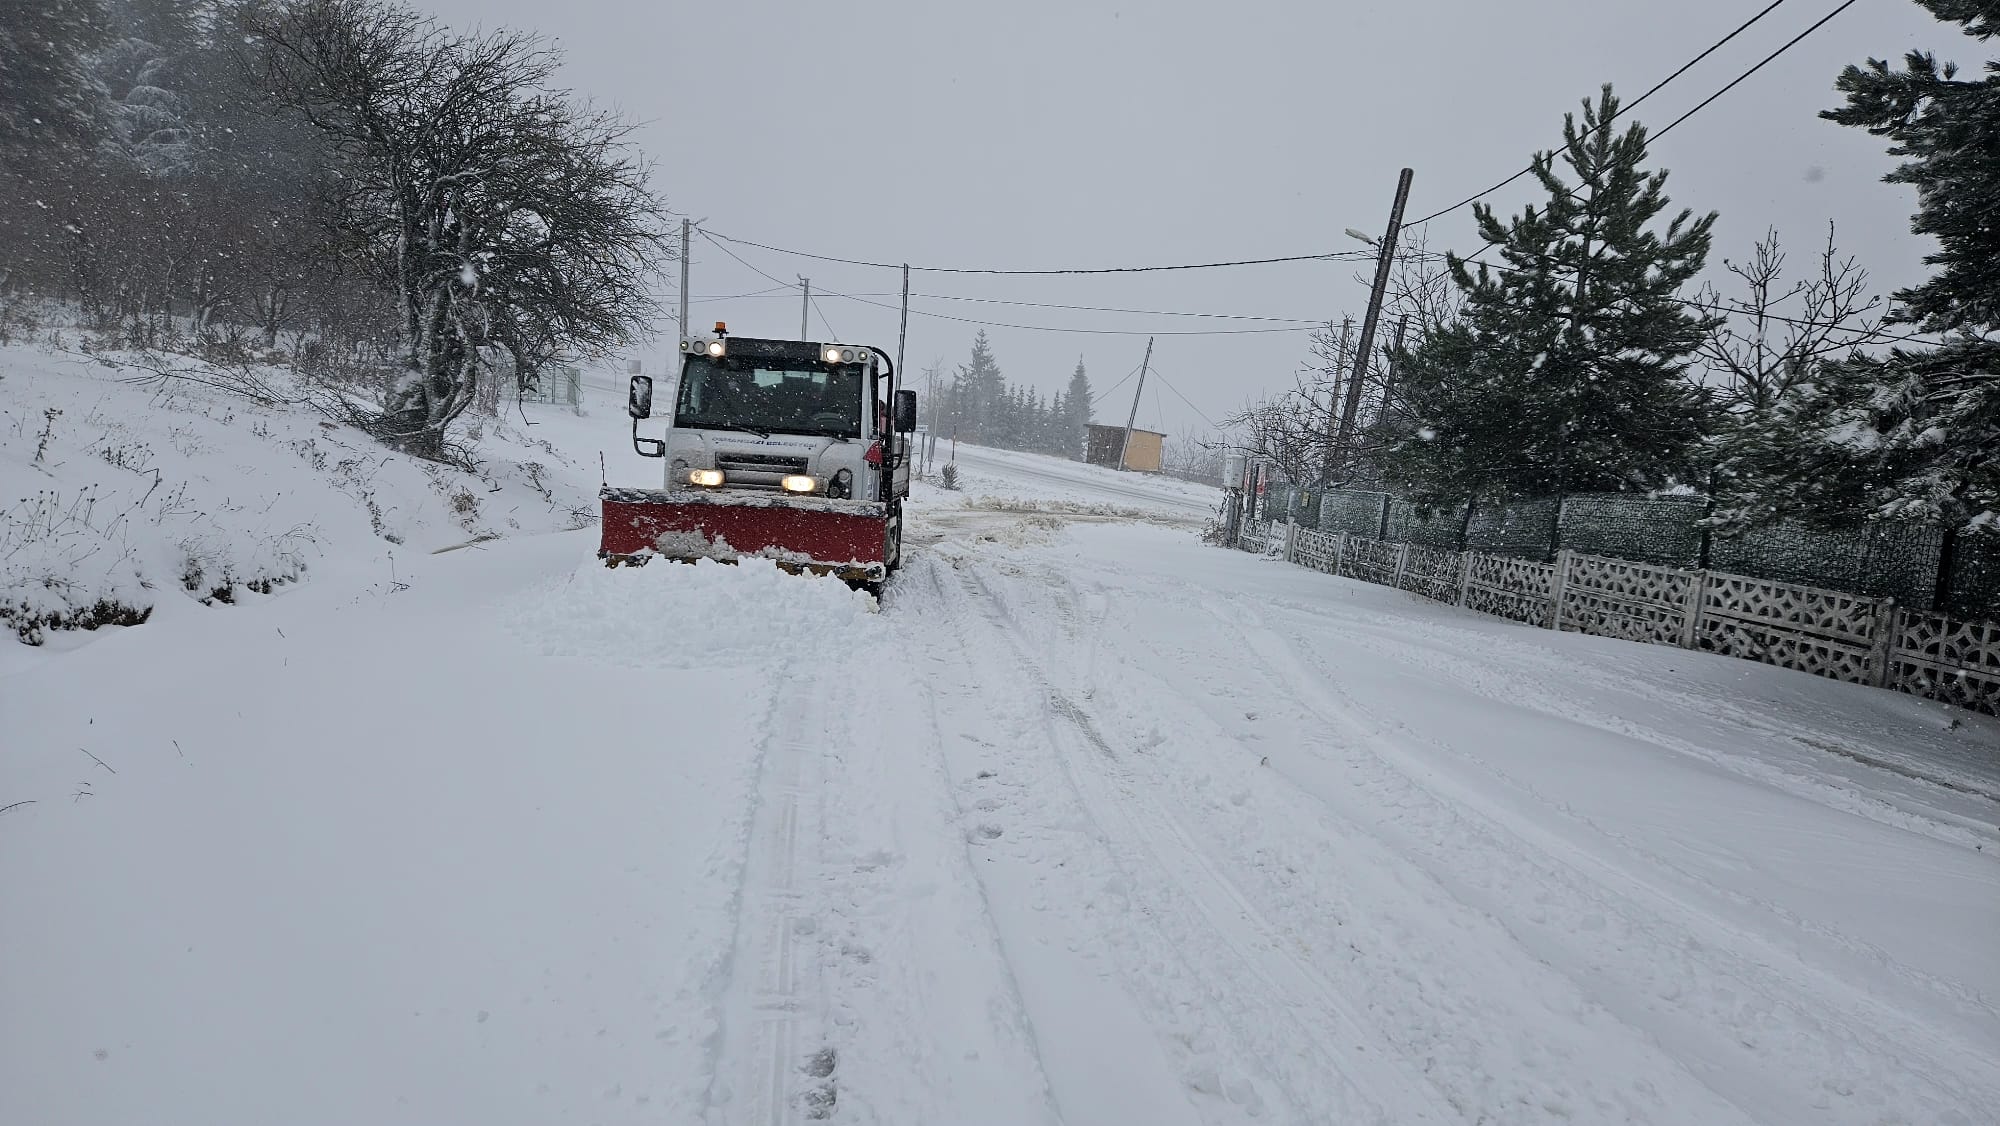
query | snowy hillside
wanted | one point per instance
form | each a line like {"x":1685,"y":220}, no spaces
{"x":1087,"y":822}
{"x":136,"y":485}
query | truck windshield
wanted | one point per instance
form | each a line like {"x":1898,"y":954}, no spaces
{"x":726,"y":392}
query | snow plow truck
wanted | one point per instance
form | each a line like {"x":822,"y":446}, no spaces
{"x":791,"y":450}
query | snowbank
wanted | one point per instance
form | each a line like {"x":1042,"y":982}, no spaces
{"x":124,"y":491}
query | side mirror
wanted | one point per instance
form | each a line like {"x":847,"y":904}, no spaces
{"x":905,"y":413}
{"x":640,"y":404}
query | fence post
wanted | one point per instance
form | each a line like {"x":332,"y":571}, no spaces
{"x":1558,"y":589}
{"x":1464,"y":576}
{"x":1339,"y":552}
{"x":1402,"y":563}
{"x":1291,"y":538}
{"x":1697,"y":597}
{"x":1882,"y":631}
{"x":1382,"y":524}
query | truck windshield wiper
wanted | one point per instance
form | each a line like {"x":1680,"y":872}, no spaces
{"x":733,"y":426}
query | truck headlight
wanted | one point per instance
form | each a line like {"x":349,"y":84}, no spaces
{"x":707,"y":477}
{"x":799,"y":483}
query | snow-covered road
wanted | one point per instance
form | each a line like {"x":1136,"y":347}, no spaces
{"x":1091,"y":823}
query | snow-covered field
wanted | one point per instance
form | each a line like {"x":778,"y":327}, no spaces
{"x":1090,"y":823}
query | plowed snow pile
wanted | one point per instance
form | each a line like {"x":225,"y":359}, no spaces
{"x":695,"y":615}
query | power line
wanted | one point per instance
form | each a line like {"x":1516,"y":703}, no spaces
{"x":1793,"y":42}
{"x":713,"y":236}
{"x":1083,"y":331}
{"x":1304,"y":327}
{"x":1108,"y":390}
{"x":1329,"y":256}
{"x":737,"y":296}
{"x":1114,"y":309}
{"x":794,"y":288}
{"x":1184,"y":398}
{"x":1865,"y":334}
{"x":1625,"y":109}
{"x":830,"y":333}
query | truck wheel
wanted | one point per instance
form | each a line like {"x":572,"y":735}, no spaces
{"x":892,"y":543}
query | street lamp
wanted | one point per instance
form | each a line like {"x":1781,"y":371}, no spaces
{"x":1369,"y":239}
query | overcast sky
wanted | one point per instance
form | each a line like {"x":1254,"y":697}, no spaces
{"x":1046,"y":133}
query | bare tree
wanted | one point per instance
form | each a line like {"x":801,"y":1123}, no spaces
{"x":1772,"y":336}
{"x":508,"y":218}
{"x":1296,"y":428}
{"x":1192,"y":455}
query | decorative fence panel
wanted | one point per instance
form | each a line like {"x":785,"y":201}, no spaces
{"x":1633,"y":601}
{"x":1316,"y":551}
{"x":1941,"y":659}
{"x":1434,"y":574}
{"x":1370,"y":560}
{"x":1256,"y":536}
{"x":1511,"y":588}
{"x":1825,"y":632}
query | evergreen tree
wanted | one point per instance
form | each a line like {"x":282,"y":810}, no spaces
{"x":979,"y":390}
{"x":1913,"y":435}
{"x":1566,"y":371}
{"x":48,"y":96}
{"x":1076,"y":413}
{"x":1432,"y":460}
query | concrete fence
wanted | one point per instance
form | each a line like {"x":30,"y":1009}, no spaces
{"x":1889,"y":560}
{"x":1828,"y":633}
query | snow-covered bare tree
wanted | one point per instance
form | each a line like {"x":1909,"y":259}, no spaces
{"x":1774,"y":331}
{"x":1193,"y":455}
{"x":507,"y":217}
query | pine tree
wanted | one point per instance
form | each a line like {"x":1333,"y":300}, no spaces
{"x":1566,"y":373}
{"x":48,"y":97}
{"x":1076,"y":413}
{"x":980,"y":390}
{"x":1913,"y":435}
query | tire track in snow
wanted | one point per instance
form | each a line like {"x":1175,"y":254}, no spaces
{"x":1691,"y":888}
{"x":928,"y":1019}
{"x":1285,"y":1014}
{"x":1452,"y":980}
{"x":1463,"y":836}
{"x":771,"y":1066}
{"x":1440,"y":650}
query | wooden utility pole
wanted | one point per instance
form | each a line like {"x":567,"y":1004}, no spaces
{"x":684,"y":278}
{"x":1134,"y":416}
{"x":805,"y":307}
{"x":1389,"y":367}
{"x":1384,"y":258}
{"x":1342,"y":367}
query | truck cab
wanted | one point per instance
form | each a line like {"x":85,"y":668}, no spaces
{"x":799,"y":418}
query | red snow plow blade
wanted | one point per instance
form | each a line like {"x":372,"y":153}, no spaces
{"x":839,"y":537}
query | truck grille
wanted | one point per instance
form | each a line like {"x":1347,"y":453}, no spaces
{"x":758,"y":470}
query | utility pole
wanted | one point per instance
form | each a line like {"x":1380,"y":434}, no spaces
{"x":930,"y":432}
{"x":1385,"y":257}
{"x":684,"y":279}
{"x":805,"y":308}
{"x":1343,"y":367}
{"x":1389,"y":367}
{"x":1134,"y":416}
